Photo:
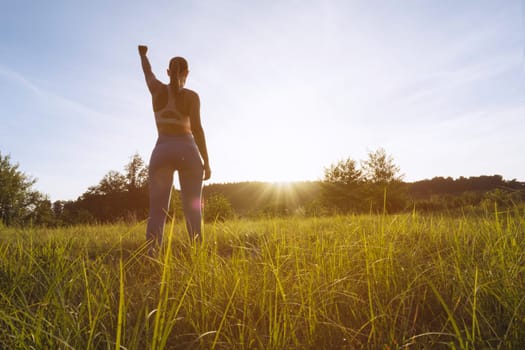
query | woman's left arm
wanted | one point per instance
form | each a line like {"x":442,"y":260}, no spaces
{"x":198,"y":134}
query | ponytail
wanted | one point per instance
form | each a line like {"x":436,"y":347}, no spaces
{"x":178,"y":66}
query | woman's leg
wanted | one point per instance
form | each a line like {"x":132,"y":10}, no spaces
{"x":191,"y":192}
{"x":160,"y":183}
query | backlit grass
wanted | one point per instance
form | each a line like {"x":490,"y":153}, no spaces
{"x":378,"y":282}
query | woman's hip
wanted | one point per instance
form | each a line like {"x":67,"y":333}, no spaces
{"x":176,"y":152}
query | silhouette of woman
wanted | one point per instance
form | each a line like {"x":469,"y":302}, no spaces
{"x":181,"y":146}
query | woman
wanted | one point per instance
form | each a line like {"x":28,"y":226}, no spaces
{"x":180,"y":146}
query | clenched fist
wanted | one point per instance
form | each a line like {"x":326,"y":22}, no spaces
{"x":143,"y":49}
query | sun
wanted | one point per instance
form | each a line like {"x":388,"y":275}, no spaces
{"x":283,"y":184}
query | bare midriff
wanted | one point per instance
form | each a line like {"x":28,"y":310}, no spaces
{"x":174,"y":129}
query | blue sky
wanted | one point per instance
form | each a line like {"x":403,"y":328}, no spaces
{"x":287,"y":87}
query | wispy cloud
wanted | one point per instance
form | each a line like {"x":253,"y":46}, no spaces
{"x":48,"y":133}
{"x":51,"y":99}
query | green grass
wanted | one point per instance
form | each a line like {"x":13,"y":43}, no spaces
{"x":377,"y":282}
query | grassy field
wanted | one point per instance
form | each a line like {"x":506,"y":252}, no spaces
{"x":349,"y":282}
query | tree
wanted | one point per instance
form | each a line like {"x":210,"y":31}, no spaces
{"x":112,"y":182}
{"x":384,"y":187}
{"x":350,"y":189}
{"x":117,"y":196}
{"x":344,"y":172}
{"x":42,"y":213}
{"x":58,"y":208}
{"x":135,"y":178}
{"x":17,"y":198}
{"x":175,"y":207}
{"x":342,"y":186}
{"x":136,"y":173}
{"x":380,"y":168}
{"x":314,"y":208}
{"x":217,"y":208}
{"x":73,"y":213}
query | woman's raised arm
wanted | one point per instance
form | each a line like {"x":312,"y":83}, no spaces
{"x":151,"y":80}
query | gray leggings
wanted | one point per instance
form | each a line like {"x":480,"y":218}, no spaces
{"x":174,"y":153}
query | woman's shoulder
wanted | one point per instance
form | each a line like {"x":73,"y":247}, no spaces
{"x":162,"y":86}
{"x":160,"y":90}
{"x":191,"y":94}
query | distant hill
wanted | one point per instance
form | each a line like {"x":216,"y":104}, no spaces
{"x":253,"y":199}
{"x":249,"y":197}
{"x":424,"y":189}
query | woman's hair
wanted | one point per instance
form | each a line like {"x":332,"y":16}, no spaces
{"x":178,"y":66}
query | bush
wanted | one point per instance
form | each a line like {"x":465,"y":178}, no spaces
{"x":217,"y":208}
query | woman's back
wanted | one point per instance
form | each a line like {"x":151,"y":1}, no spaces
{"x":173,"y":110}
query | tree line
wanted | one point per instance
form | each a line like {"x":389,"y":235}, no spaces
{"x":372,"y":185}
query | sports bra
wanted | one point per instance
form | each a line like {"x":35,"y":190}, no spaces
{"x":169,"y":119}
